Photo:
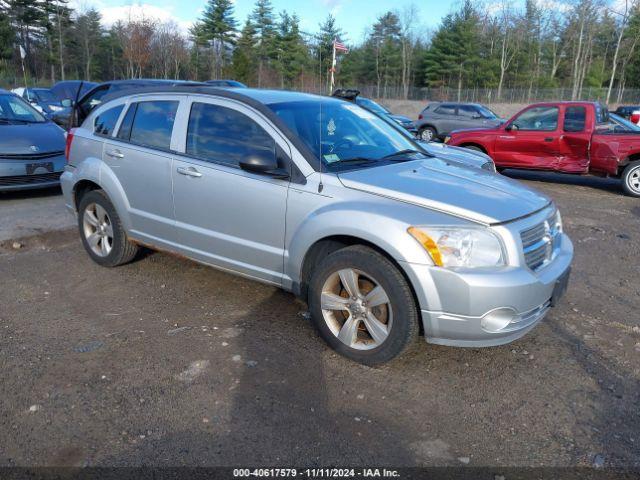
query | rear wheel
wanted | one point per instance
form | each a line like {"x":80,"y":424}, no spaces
{"x":101,"y":231}
{"x":363,"y":306}
{"x":427,"y":134}
{"x":631,"y":179}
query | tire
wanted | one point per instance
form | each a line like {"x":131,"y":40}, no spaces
{"x":98,"y":219}
{"x":631,"y":179}
{"x":428,"y":134}
{"x":396,"y":328}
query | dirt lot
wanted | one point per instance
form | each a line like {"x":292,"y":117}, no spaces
{"x":167,"y":362}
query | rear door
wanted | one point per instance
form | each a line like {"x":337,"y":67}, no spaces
{"x":140,"y":157}
{"x":575,"y":140}
{"x":446,"y":118}
{"x":227,"y":216}
{"x":530,"y":140}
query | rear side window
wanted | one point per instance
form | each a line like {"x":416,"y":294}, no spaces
{"x":222,"y":135}
{"x":446,"y":110}
{"x":468,"y":111}
{"x":125,"y":127}
{"x":574,"y":119}
{"x":153,"y":123}
{"x":106,"y":121}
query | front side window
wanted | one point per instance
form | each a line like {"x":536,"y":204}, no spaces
{"x":222,"y":135}
{"x":468,"y":111}
{"x":575,"y":119}
{"x":543,"y":119}
{"x":341,"y":134}
{"x":153,"y":124}
{"x":14,"y":109}
{"x":105,"y":122}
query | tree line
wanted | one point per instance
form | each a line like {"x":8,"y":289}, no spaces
{"x":538,"y":44}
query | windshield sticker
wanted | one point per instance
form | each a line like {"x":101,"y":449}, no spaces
{"x":331,"y":127}
{"x":332,"y":157}
{"x":361,"y":112}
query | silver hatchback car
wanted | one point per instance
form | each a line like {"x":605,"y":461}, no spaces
{"x":320,"y":197}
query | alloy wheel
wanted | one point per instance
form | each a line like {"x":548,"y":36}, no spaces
{"x":97,"y":229}
{"x":356,"y":309}
{"x":426,"y":135}
{"x":633,"y":179}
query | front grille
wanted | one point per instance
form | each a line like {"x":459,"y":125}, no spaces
{"x":538,"y":242}
{"x":30,"y":156}
{"x":29,"y":179}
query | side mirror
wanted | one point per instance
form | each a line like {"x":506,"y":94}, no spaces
{"x":66,"y":102}
{"x":263,"y":163}
{"x":511,"y":127}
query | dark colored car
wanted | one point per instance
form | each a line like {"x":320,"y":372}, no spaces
{"x":226,"y":83}
{"x":93,"y":97}
{"x":71,"y":89}
{"x":437,"y":120}
{"x":43,"y":99}
{"x":625,"y":111}
{"x":353,"y":96}
{"x":31,"y":146}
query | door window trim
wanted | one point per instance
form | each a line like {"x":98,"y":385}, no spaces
{"x":512,"y":122}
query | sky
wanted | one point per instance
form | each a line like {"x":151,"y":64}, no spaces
{"x":353,"y":16}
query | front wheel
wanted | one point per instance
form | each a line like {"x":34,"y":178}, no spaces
{"x":631,"y":179}
{"x":363,"y":306}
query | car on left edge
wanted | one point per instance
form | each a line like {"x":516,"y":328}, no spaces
{"x":31,"y":146}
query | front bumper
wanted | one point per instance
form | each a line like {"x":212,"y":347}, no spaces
{"x":461,"y":306}
{"x":14,"y":173}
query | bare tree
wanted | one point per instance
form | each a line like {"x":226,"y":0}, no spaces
{"x":624,"y":20}
{"x":408,"y":18}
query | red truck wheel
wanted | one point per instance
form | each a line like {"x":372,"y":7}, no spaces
{"x":631,"y":179}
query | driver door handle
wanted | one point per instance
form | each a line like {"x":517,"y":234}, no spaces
{"x":548,"y":139}
{"x":115,"y":154}
{"x":189,"y":172}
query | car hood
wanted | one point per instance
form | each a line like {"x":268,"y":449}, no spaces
{"x":401,"y":118}
{"x":463,"y":191}
{"x":464,"y":155}
{"x":31,"y":138}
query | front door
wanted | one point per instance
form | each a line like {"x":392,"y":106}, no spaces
{"x":227,"y":216}
{"x":530,"y":140}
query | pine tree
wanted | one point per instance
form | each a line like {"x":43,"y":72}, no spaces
{"x":244,"y":54}
{"x":328,"y":32}
{"x":218,"y":27}
{"x":264,"y":25}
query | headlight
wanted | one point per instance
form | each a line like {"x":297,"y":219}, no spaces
{"x":447,"y":139}
{"x":460,"y":247}
{"x":489,"y":166}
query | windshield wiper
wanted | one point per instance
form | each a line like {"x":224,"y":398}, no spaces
{"x":405,"y":152}
{"x":357,"y":160}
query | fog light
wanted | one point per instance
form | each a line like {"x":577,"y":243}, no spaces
{"x":498,"y":319}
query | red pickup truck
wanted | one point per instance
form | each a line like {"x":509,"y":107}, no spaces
{"x":568,"y":137}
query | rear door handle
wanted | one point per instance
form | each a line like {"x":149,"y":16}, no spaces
{"x":115,"y":154}
{"x":548,"y":139}
{"x":189,"y":171}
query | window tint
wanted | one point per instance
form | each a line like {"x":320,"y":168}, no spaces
{"x":153,"y":124}
{"x":94,"y":99}
{"x":468,"y":111}
{"x":223,"y":135}
{"x":538,"y":118}
{"x":574,"y":119}
{"x":446,"y":109}
{"x":125,"y":127}
{"x":106,"y":121}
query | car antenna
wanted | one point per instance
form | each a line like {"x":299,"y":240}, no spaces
{"x":320,"y":185}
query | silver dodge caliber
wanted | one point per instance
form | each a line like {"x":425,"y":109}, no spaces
{"x":382,"y":239}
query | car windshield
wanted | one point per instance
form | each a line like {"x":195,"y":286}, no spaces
{"x":341,"y":133}
{"x":371,"y":105}
{"x":485,"y":112}
{"x":13,"y":109}
{"x":44,"y":96}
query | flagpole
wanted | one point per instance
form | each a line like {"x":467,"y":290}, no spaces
{"x":24,"y":73}
{"x":333,"y":67}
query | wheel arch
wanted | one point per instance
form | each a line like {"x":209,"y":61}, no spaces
{"x":474,"y":144}
{"x":332,"y":243}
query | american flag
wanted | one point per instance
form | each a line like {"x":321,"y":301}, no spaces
{"x":340,"y":47}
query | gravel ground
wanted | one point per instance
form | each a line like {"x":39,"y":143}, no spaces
{"x":168,"y":362}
